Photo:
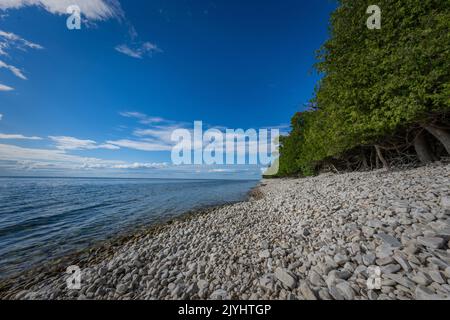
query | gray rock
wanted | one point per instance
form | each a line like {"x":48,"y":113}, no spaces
{"x":401,"y":260}
{"x":286,"y":277}
{"x":346,"y":290}
{"x":436,"y":276}
{"x":122,"y":288}
{"x":389,"y":240}
{"x":324,"y":294}
{"x":421,"y":278}
{"x":306,"y":291}
{"x":431,"y":242}
{"x":372,"y":295}
{"x":401,"y":280}
{"x":445,"y":202}
{"x":369,"y":259}
{"x":384,"y":251}
{"x":267,"y":282}
{"x":316,"y":279}
{"x":202,"y":285}
{"x":340,"y":259}
{"x":264,"y":254}
{"x":447,"y":272}
{"x":390,"y":268}
{"x":335,"y":293}
{"x":424,"y":293}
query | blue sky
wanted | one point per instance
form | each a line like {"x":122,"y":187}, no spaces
{"x":102,"y":101}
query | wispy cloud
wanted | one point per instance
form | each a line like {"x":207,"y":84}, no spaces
{"x":71,"y":143}
{"x":140,"y":145}
{"x":90,"y":9}
{"x":5,"y":88}
{"x":15,"y":157}
{"x":139,"y":51}
{"x":16,"y":71}
{"x":1,"y":117}
{"x":4,"y":136}
{"x":138,"y":165}
{"x":9,"y":40}
{"x":143,"y":118}
{"x":154,"y":136}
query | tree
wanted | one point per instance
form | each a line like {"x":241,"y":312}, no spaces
{"x":376,"y":83}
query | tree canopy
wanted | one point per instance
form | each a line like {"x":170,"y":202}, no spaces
{"x":375,"y":82}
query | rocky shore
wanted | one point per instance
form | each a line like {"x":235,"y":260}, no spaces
{"x":374,"y":235}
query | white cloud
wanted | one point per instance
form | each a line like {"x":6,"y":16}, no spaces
{"x":16,"y":136}
{"x":31,"y":158}
{"x":1,"y":116}
{"x":139,"y":51}
{"x":138,"y":165}
{"x":141,"y":145}
{"x":15,"y":153}
{"x":143,"y":118}
{"x":9,"y":40}
{"x":156,"y":136}
{"x":5,"y":88}
{"x":90,"y":9}
{"x":71,"y":143}
{"x":16,"y":71}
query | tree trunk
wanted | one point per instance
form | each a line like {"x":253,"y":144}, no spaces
{"x":364,"y":160}
{"x":377,"y":161}
{"x":440,"y":134}
{"x":382,"y":159}
{"x":424,"y":153}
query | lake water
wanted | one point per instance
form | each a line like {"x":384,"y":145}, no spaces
{"x":45,"y":218}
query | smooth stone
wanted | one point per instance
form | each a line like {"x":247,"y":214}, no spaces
{"x":286,"y":277}
{"x":347,"y":291}
{"x":306,"y":291}
{"x":389,"y":240}
{"x":340,"y":259}
{"x":436,"y":276}
{"x":431,"y":242}
{"x":445,"y":202}
{"x":316,"y":279}
{"x":264,"y":254}
{"x":390,"y":268}
{"x":401,"y":260}
{"x":369,"y":259}
{"x":424,"y":293}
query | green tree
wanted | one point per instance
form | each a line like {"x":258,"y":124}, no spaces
{"x":375,"y":82}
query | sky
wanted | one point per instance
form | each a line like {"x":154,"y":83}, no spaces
{"x":104,"y":100}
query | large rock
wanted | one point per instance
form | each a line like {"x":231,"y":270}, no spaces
{"x":431,"y":242}
{"x":286,"y":277}
{"x":389,"y":240}
{"x":424,"y":293}
{"x":306,"y":291}
{"x":346,"y":290}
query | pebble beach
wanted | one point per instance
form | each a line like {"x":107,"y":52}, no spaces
{"x":321,"y":238}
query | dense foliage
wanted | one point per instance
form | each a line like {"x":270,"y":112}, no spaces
{"x":375,"y":83}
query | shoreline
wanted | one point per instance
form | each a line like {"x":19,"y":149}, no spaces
{"x":312,"y":238}
{"x":104,"y":249}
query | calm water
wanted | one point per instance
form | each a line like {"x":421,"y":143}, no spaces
{"x":44,"y":218}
